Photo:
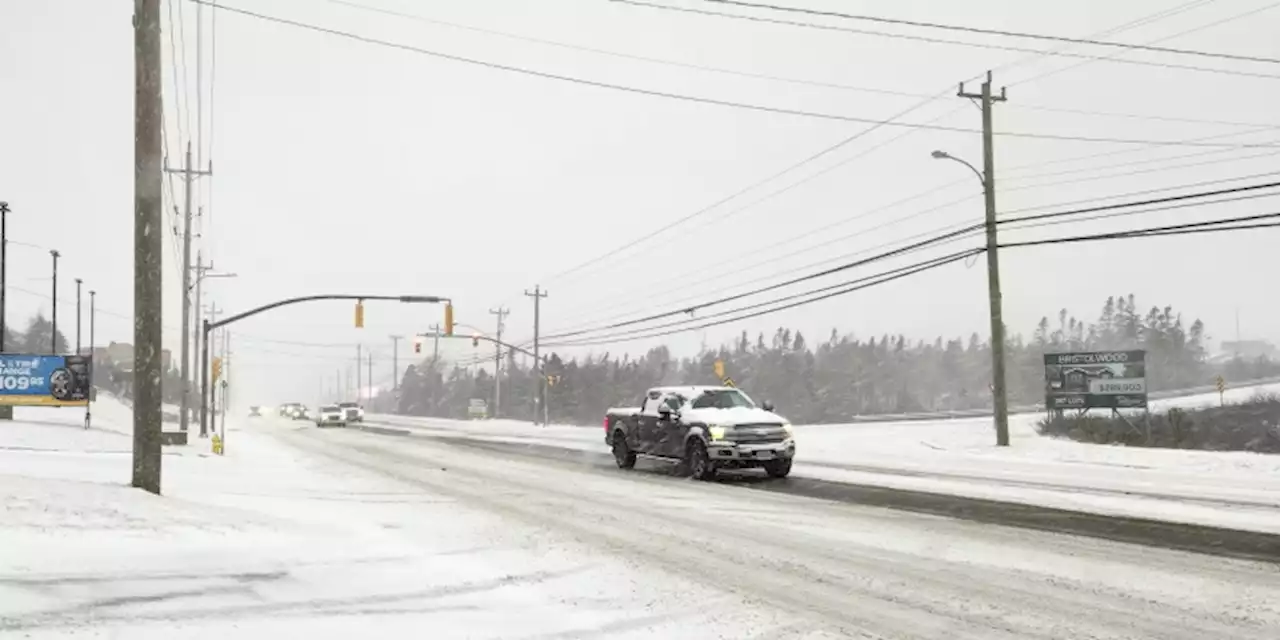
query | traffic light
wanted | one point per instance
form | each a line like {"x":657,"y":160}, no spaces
{"x":417,"y":346}
{"x":475,"y":339}
{"x":360,"y":314}
{"x":217,"y":368}
{"x":448,"y":318}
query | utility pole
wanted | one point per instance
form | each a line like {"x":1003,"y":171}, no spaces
{"x":148,"y":243}
{"x":359,"y":361}
{"x":497,"y":362}
{"x":998,"y":388}
{"x":93,"y":317}
{"x":78,"y":316}
{"x":226,"y":380}
{"x":435,"y":345}
{"x":4,"y":260}
{"x":188,"y":176}
{"x":53,"y":337}
{"x":395,"y":362}
{"x":540,"y":387}
{"x":370,"y":360}
{"x":205,"y":365}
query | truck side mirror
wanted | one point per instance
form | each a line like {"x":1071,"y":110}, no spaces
{"x":664,"y":412}
{"x":768,"y":406}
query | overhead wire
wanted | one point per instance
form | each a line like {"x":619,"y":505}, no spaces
{"x":928,"y":242}
{"x":944,"y":41}
{"x":690,"y":98}
{"x":788,"y":79}
{"x":1137,"y":22}
{"x":1228,"y":224}
{"x":1166,"y":38}
{"x":998,"y":32}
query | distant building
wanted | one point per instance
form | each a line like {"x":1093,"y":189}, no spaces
{"x":1249,"y":349}
{"x":121,"y":355}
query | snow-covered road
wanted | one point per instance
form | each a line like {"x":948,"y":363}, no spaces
{"x":958,"y":457}
{"x":339,"y":533}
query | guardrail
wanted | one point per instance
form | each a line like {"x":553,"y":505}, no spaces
{"x":1035,"y":408}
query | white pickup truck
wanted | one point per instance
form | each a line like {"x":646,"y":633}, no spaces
{"x":708,"y":428}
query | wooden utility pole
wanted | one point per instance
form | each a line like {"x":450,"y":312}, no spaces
{"x":497,"y":362}
{"x":999,"y":391}
{"x":540,"y":388}
{"x":148,"y":245}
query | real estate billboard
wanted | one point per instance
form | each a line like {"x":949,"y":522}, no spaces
{"x":1095,"y":380}
{"x":44,"y":380}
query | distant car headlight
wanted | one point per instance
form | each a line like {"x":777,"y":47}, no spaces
{"x":717,"y":433}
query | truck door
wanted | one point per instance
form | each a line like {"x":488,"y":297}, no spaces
{"x":647,"y":432}
{"x":672,"y":431}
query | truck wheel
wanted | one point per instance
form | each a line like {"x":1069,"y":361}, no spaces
{"x":699,"y":463}
{"x":778,"y":468}
{"x":622,"y":454}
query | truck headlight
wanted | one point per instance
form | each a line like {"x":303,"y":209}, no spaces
{"x":787,"y":427}
{"x":717,"y":433}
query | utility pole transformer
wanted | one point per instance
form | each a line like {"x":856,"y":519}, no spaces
{"x":148,"y":243}
{"x":999,"y":391}
{"x":540,"y":388}
{"x":497,"y":362}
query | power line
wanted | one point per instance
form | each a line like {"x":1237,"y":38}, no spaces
{"x":790,"y":168}
{"x":999,"y":32}
{"x":784,"y":79}
{"x":1203,"y":227}
{"x":696,"y":99}
{"x":1150,"y":42}
{"x":928,"y":242}
{"x":756,"y":262}
{"x":960,"y":43}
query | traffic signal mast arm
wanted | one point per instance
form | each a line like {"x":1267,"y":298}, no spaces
{"x":475,"y":338}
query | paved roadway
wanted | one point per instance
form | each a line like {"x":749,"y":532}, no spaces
{"x":829,"y":568}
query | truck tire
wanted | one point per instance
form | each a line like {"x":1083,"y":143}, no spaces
{"x":698,"y":462}
{"x":778,"y":468}
{"x":622,"y":454}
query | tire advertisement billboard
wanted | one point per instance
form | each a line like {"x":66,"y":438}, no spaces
{"x":1095,"y":380}
{"x":44,"y":380}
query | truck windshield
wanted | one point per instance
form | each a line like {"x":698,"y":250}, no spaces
{"x":722,"y":399}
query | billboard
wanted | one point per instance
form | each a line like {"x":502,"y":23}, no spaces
{"x":44,"y":381}
{"x":1095,"y":380}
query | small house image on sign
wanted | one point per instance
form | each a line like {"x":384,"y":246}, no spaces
{"x":1076,"y":379}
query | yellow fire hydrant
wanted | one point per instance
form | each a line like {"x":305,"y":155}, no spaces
{"x":217,"y":444}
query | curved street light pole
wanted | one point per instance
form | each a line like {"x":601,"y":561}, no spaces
{"x":999,"y":391}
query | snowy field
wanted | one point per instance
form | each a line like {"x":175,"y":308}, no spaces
{"x":302,"y":532}
{"x":1226,"y":489}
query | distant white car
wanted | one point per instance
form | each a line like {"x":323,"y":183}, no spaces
{"x":352,"y":411}
{"x":331,"y":416}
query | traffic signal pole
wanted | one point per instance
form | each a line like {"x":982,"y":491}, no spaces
{"x":205,"y":391}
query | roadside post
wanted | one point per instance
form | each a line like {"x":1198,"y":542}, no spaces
{"x":1221,"y":383}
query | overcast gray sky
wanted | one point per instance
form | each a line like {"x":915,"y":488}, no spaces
{"x":341,"y":166}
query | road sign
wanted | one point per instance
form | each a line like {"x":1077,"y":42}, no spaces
{"x":1221,"y":383}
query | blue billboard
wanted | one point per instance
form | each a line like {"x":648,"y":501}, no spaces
{"x":45,"y":381}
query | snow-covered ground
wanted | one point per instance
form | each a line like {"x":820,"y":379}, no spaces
{"x":309,"y":533}
{"x":265,"y":542}
{"x":1227,"y":489}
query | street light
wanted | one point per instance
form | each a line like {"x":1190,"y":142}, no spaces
{"x":943,"y":155}
{"x":54,"y":337}
{"x":999,"y":394}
